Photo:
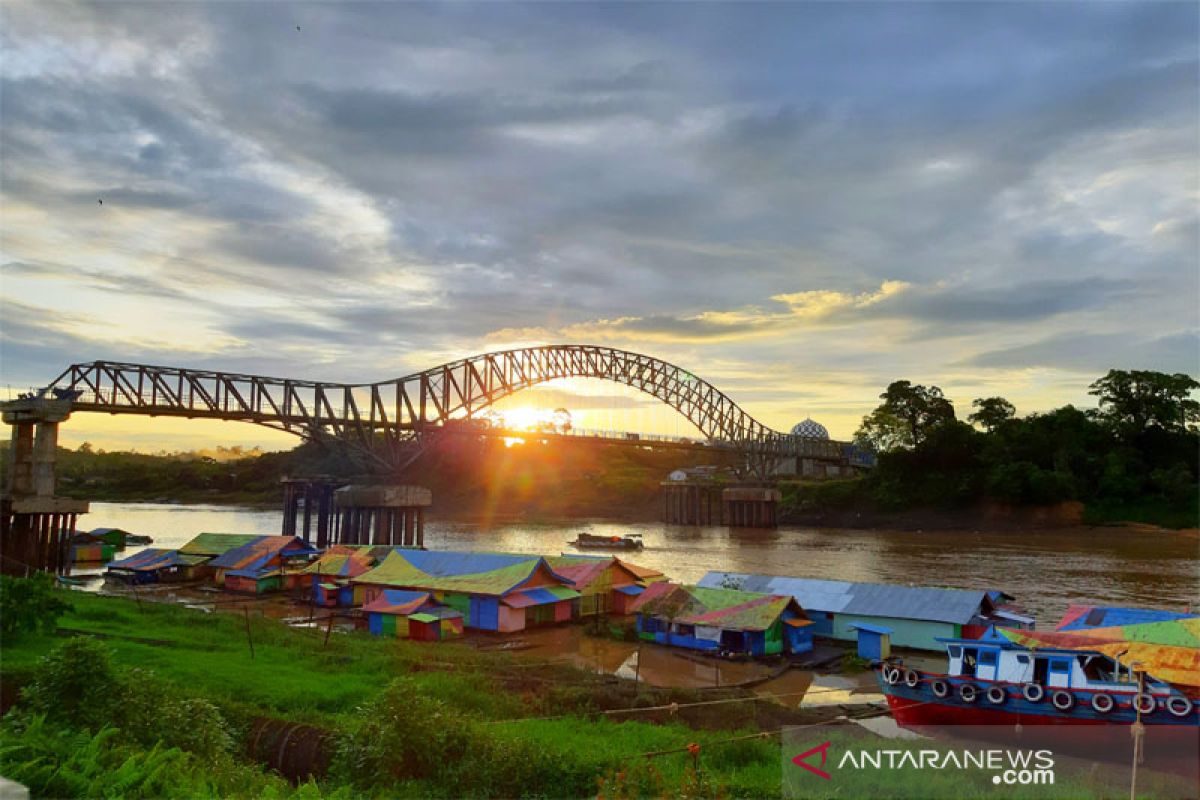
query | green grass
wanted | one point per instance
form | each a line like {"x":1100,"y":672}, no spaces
{"x":409,"y":719}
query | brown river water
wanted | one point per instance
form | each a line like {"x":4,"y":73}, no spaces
{"x":1045,"y":569}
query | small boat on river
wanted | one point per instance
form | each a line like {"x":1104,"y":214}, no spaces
{"x":588,"y":541}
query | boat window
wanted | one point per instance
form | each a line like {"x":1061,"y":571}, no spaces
{"x":1060,"y":665}
{"x":1097,"y":668}
{"x":1022,"y":659}
{"x":968,"y":660}
{"x":987,"y":657}
{"x":954,"y":650}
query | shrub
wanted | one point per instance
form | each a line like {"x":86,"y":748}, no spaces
{"x":30,"y":604}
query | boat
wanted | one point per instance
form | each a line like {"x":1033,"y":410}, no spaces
{"x":995,"y":681}
{"x":632,"y":541}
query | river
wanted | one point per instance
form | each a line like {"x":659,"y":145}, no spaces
{"x":1045,"y":569}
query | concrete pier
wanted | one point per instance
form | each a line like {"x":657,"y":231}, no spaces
{"x":751,"y":507}
{"x":309,"y":508}
{"x":35,"y":526}
{"x":381,"y":514}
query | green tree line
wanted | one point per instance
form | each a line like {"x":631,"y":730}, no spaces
{"x":1134,"y":455}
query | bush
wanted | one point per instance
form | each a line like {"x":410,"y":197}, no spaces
{"x":30,"y":604}
{"x":77,"y":684}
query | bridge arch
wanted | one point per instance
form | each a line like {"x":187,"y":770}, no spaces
{"x":388,"y":414}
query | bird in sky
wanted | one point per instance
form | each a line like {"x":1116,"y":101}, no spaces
{"x":101,"y":202}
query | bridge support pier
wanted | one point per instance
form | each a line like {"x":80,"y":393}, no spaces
{"x":751,"y":507}
{"x":308,"y":509}
{"x":382,"y":515}
{"x":35,"y":526}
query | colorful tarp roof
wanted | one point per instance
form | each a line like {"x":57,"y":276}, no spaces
{"x":717,"y":608}
{"x":397,"y":601}
{"x":1169,"y":650}
{"x":1082,"y":617}
{"x":538,"y":596}
{"x":215,"y":544}
{"x":340,"y":564}
{"x":957,"y":606}
{"x":583,"y":571}
{"x":154,"y":558}
{"x":399,"y":569}
{"x":258,"y":552}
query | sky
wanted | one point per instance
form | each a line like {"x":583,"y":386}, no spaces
{"x":797,"y":202}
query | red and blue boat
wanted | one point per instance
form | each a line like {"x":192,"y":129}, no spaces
{"x":1117,"y":675}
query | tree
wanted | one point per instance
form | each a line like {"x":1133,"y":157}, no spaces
{"x":1132,"y":401}
{"x":992,"y":413}
{"x":905,"y":418}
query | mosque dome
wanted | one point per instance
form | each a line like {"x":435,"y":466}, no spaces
{"x":811,"y":429}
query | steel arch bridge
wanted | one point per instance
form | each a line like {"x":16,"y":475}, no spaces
{"x":384,"y":420}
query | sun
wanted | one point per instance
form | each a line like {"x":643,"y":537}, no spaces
{"x":522,"y":418}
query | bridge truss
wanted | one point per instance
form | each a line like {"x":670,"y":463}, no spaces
{"x":388,"y":421}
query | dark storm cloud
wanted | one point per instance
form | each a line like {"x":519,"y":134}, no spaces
{"x":408,"y":176}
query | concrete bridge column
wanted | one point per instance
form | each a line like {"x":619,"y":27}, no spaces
{"x":35,"y":526}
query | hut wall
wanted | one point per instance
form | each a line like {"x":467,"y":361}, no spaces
{"x":485,"y":613}
{"x":510,"y":619}
{"x":562,"y":611}
{"x":918,"y":634}
{"x":460,"y":603}
{"x":799,"y":640}
{"x":241,"y":583}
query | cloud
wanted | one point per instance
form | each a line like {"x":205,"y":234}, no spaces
{"x":1095,"y":354}
{"x":773,"y":192}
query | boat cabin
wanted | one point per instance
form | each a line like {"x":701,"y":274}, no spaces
{"x":998,"y":660}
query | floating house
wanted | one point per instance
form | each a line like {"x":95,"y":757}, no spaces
{"x":216,"y":544}
{"x":156,"y":565}
{"x":605,"y":584}
{"x":492,"y":591}
{"x":115,"y":536}
{"x":388,"y":613}
{"x":917,"y":617}
{"x":262,"y":564}
{"x":332,"y":572}
{"x":88,"y":552}
{"x":722,"y":620}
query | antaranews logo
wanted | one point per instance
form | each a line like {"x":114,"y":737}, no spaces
{"x":1002,"y":767}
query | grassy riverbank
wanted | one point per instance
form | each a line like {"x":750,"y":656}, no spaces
{"x":405,"y":719}
{"x":157,"y":700}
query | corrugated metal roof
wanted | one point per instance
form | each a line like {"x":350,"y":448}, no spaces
{"x":956,"y":606}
